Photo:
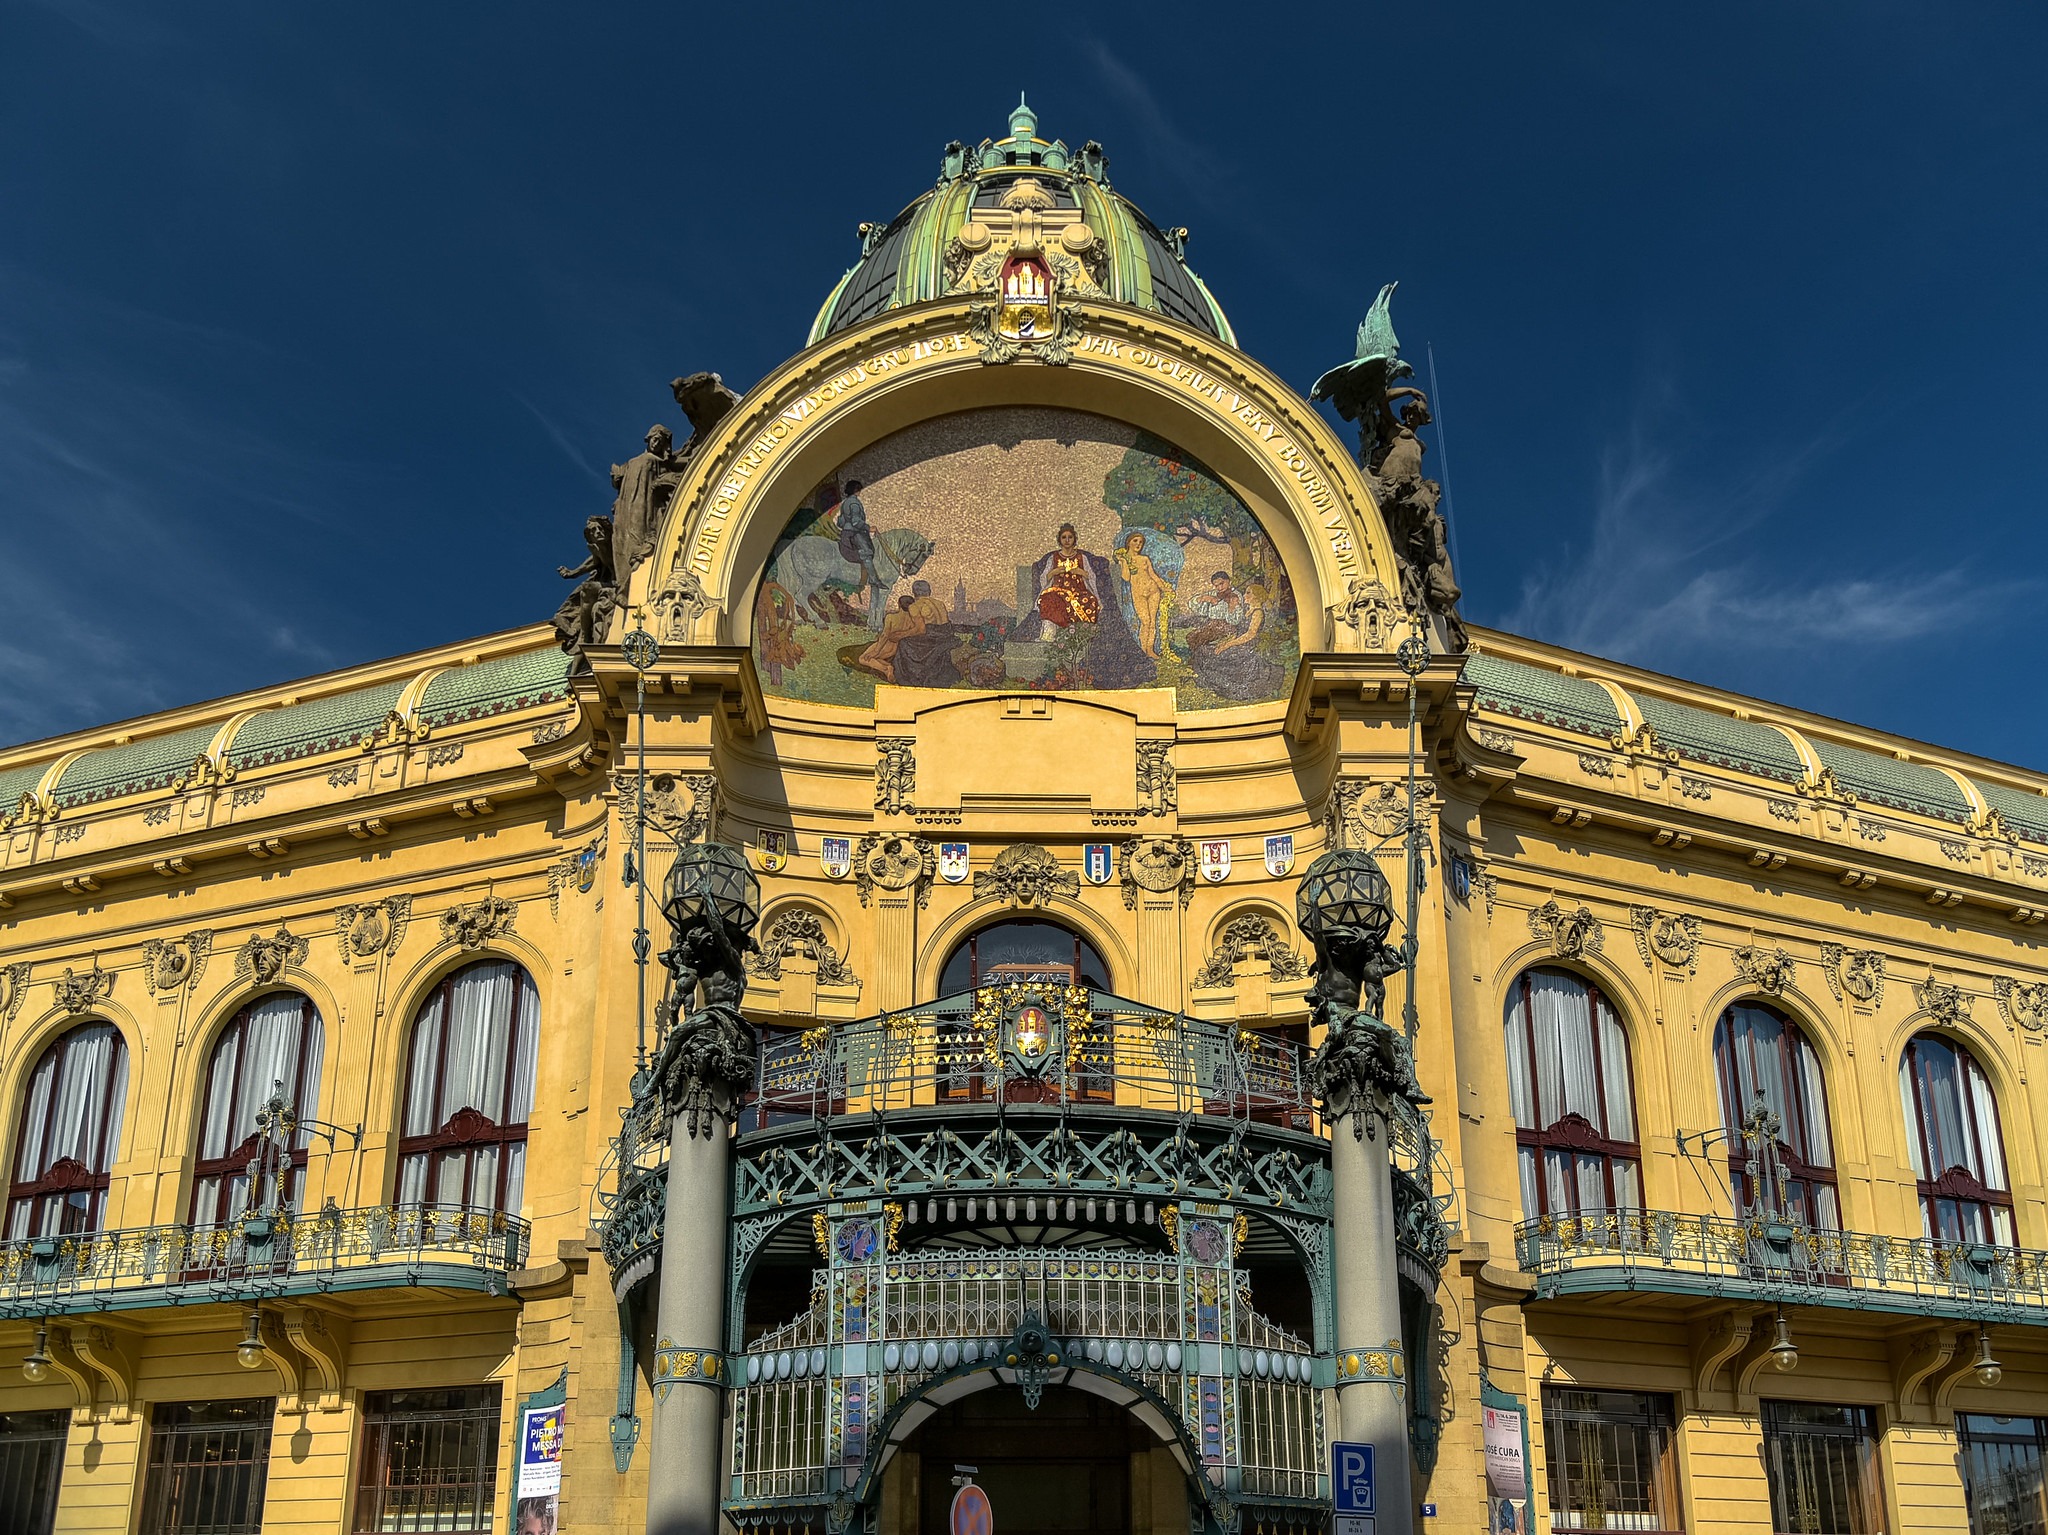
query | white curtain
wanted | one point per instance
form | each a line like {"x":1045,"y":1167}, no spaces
{"x":1758,"y":1045}
{"x":1957,"y":1115}
{"x":1579,"y":1047}
{"x":487,"y":1018}
{"x":248,"y":1063}
{"x":62,"y":1111}
{"x":1990,"y":1168}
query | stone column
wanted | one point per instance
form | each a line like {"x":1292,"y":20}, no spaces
{"x":683,"y":1479}
{"x":1372,"y":1400}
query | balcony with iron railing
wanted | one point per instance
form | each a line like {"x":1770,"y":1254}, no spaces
{"x":1113,"y":1098}
{"x":266,"y":1254}
{"x":1766,"y":1254}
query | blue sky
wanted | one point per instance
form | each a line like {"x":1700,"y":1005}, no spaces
{"x":319,"y":326}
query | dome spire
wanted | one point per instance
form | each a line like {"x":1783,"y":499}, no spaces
{"x":1023,"y":121}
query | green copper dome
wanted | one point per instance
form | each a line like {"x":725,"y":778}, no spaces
{"x":904,"y":261}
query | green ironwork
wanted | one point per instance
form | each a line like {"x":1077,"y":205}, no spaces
{"x":261,"y":1256}
{"x":1783,"y":1263}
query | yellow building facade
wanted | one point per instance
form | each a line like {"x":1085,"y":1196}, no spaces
{"x":1029,"y":644}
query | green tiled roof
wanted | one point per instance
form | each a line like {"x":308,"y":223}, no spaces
{"x":17,"y":781}
{"x":2025,"y":813}
{"x":1551,"y":698}
{"x":132,"y":769}
{"x":1722,"y":740}
{"x":318,"y":725}
{"x":492,"y":687}
{"x":1900,"y":785}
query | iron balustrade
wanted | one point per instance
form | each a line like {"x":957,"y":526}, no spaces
{"x":266,"y":1254}
{"x":886,"y":1328}
{"x":1782,"y":1262}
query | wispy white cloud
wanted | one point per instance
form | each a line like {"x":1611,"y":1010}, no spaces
{"x":556,"y":435}
{"x":1673,"y":575}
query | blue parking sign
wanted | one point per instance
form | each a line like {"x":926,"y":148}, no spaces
{"x":1351,"y":1477}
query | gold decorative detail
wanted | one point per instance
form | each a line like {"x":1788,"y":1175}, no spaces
{"x":1240,"y":1230}
{"x":821,"y":1233}
{"x":892,"y":1222}
{"x":1169,"y":1222}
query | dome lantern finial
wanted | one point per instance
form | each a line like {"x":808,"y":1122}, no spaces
{"x":1023,"y":121}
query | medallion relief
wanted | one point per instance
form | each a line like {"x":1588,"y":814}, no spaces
{"x":168,"y":963}
{"x":1855,"y":973}
{"x":1157,"y":865}
{"x":1673,"y":939}
{"x":894,"y":861}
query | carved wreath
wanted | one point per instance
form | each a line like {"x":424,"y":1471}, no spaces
{"x":800,"y":931}
{"x":1250,"y":937}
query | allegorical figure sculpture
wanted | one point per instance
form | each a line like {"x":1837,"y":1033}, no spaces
{"x":586,"y":612}
{"x":1367,"y":390}
{"x":707,"y":1057}
{"x":642,"y":489}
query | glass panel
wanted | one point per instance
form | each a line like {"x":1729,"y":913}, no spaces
{"x":429,"y":1460}
{"x":2002,"y":1474}
{"x":1821,"y":1462}
{"x":208,"y":1462}
{"x":31,"y":1466}
{"x":1609,"y":1461}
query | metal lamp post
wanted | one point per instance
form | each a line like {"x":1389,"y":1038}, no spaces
{"x":702,"y":1070}
{"x":1345,"y":908}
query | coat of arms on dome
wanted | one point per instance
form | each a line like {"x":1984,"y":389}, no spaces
{"x":1024,"y":263}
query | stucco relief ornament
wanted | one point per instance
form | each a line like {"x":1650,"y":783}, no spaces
{"x":79,"y":990}
{"x":800,"y":931}
{"x":1157,"y":864}
{"x":1855,"y":973}
{"x":373,"y":929}
{"x":1026,"y":875}
{"x":1361,"y":811}
{"x":894,"y":861}
{"x":1570,"y":934}
{"x":1768,"y":970}
{"x":205,"y":773}
{"x":263,"y":960}
{"x":168,"y":963}
{"x":1941,"y":1001}
{"x":895,"y":774}
{"x":1250,"y":937}
{"x":29,"y":810}
{"x":1158,"y":788}
{"x":13,"y":989}
{"x":1369,"y":608}
{"x":682,"y":806}
{"x":1673,"y":939}
{"x":679,"y":601}
{"x":2024,"y":1003}
{"x":1023,"y":277}
{"x":478,"y":922}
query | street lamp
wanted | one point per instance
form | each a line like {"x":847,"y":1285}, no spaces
{"x":1989,"y":1371}
{"x":709,"y":879}
{"x":35,"y":1368}
{"x":250,"y":1351}
{"x":1344,"y":888}
{"x":1784,"y":1352}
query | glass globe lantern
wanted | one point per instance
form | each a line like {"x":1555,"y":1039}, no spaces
{"x":711,"y":870}
{"x":35,"y":1368}
{"x":1344,"y":888}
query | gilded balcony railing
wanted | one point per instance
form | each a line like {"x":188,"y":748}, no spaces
{"x":1782,"y":1262}
{"x":266,"y":1254}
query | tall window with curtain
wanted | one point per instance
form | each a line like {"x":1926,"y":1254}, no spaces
{"x":1958,"y":1153}
{"x":1575,"y":1118}
{"x":70,"y":1127}
{"x":1757,"y":1050}
{"x":274,"y":1040}
{"x":469,"y":1090}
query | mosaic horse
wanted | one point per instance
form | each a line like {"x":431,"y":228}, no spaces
{"x":810,"y":566}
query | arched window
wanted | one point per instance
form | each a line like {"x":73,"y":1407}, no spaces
{"x":1575,"y":1117}
{"x":276,"y":1040}
{"x":1957,"y":1152}
{"x":70,"y":1126}
{"x":469,"y":1090}
{"x":1757,"y":1050}
{"x":1025,"y":948}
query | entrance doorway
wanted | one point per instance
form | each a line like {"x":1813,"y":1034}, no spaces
{"x":1077,"y":1465}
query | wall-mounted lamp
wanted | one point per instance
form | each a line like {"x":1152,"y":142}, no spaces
{"x":250,"y":1351}
{"x":1989,"y":1371}
{"x":1784,"y":1352}
{"x":35,"y":1366}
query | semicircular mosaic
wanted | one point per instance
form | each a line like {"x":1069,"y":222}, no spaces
{"x":1024,"y":547}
